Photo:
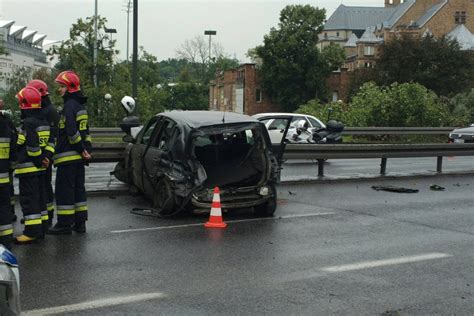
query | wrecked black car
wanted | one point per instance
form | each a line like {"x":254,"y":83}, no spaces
{"x":178,"y":158}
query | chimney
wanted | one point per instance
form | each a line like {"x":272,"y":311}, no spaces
{"x":392,"y":3}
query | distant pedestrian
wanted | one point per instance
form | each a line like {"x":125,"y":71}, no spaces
{"x":32,"y":163}
{"x":72,"y":151}
{"x":52,"y":117}
{"x":7,"y":155}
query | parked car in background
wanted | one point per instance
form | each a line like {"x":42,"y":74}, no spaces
{"x":178,"y":158}
{"x":462,"y":135}
{"x":276,"y":123}
{"x":9,"y":283}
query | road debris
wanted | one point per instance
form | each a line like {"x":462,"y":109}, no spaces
{"x":435,"y":187}
{"x":390,"y":188}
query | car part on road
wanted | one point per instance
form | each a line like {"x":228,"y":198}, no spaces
{"x":390,"y":188}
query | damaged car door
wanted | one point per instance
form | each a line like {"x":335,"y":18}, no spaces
{"x":158,"y":166}
{"x":138,"y":150}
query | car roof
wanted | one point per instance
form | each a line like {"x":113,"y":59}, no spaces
{"x":279,"y":114}
{"x":196,"y":119}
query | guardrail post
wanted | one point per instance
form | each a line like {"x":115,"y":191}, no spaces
{"x":439,"y":164}
{"x":383,"y":166}
{"x":320,"y":167}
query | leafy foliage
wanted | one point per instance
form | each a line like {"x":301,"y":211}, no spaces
{"x":436,"y":63}
{"x":293,"y":71}
{"x":399,"y":105}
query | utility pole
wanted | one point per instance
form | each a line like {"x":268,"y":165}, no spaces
{"x":135,"y":52}
{"x":95,"y":43}
{"x":128,"y":9}
{"x":210,"y":33}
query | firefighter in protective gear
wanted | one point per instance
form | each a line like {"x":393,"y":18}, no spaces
{"x":32,"y":163}
{"x":7,"y":156}
{"x":52,"y":117}
{"x":72,"y":151}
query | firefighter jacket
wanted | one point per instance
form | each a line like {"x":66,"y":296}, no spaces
{"x":52,"y":117}
{"x":73,"y":130}
{"x":33,"y":138}
{"x":7,"y":148}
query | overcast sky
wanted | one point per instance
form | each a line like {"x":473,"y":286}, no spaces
{"x":164,"y":25}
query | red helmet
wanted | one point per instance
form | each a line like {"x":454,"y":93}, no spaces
{"x":40,"y":85}
{"x":70,"y":80}
{"x":29,"y":98}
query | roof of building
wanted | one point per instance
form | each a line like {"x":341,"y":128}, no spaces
{"x":397,"y":13}
{"x":464,"y":37}
{"x":357,"y":18}
{"x":17,"y":31}
{"x":369,"y":36}
{"x":430,"y":13}
{"x":352,"y":41}
{"x":27,"y":36}
{"x":6,"y":23}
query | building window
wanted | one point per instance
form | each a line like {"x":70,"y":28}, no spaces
{"x":258,"y":95}
{"x":369,"y":51}
{"x":325,"y":35}
{"x":460,"y":17}
{"x":337,"y":34}
{"x":368,"y":64}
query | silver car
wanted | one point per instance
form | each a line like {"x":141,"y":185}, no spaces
{"x":462,"y":135}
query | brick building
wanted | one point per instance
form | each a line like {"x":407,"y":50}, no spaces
{"x":361,"y":30}
{"x":238,"y":90}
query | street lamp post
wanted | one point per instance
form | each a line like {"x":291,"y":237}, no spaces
{"x":95,"y":43}
{"x":110,"y":31}
{"x":210,"y":33}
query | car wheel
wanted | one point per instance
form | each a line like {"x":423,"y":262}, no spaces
{"x":163,"y":199}
{"x":269,"y":207}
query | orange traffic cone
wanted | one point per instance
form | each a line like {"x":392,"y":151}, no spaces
{"x":215,"y":219}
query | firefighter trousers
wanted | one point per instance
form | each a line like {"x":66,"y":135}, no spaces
{"x":6,"y":227}
{"x":49,"y":194}
{"x":70,"y":194}
{"x":30,"y":201}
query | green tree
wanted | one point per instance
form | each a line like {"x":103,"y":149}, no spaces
{"x":293,"y":71}
{"x":334,"y":55}
{"x":436,"y":63}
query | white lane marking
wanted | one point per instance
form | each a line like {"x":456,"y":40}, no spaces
{"x":386,"y":262}
{"x":232,"y":221}
{"x":94,"y":304}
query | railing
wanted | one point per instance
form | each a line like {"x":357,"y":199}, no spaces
{"x":113,"y":152}
{"x":383,"y":151}
{"x":116,"y":132}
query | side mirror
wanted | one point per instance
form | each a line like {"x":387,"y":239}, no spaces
{"x":128,"y":138}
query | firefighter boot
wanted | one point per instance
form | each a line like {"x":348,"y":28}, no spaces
{"x":59,"y":230}
{"x":24,"y":240}
{"x":79,"y":227}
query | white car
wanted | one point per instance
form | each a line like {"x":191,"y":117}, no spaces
{"x":276,"y":126}
{"x":462,"y":135}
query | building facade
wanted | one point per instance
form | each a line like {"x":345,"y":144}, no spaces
{"x":239,"y":90}
{"x":360,"y":31}
{"x":23,"y":48}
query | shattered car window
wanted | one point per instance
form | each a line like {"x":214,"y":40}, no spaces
{"x":148,"y":132}
{"x":163,"y":139}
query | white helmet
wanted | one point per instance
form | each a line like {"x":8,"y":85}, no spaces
{"x":128,"y":104}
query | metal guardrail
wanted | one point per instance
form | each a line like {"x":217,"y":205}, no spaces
{"x":113,"y":152}
{"x":373,"y":131}
{"x":383,"y":151}
{"x":116,"y":132}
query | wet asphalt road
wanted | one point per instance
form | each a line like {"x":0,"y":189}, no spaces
{"x":332,"y":248}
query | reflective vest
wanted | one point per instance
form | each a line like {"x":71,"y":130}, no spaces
{"x":73,"y":131}
{"x":33,"y":138}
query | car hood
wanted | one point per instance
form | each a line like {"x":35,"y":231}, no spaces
{"x":466,"y":130}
